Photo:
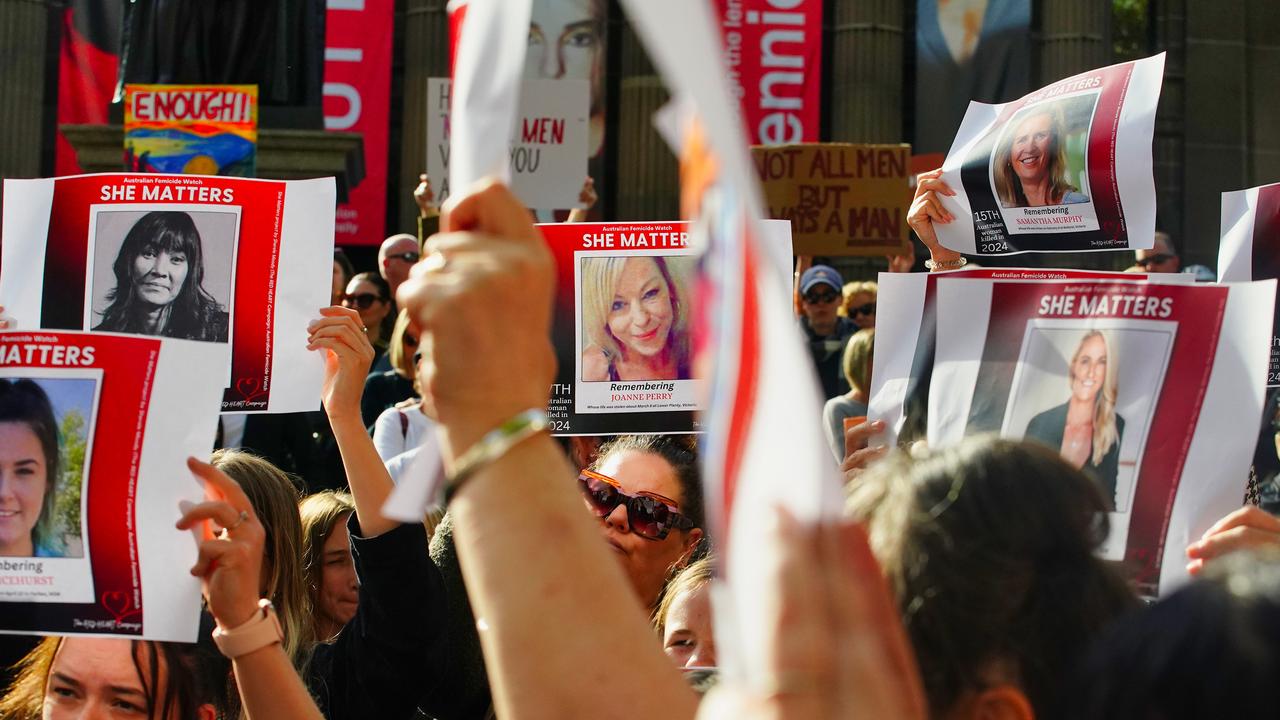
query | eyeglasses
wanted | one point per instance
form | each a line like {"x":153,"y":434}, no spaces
{"x":409,"y":257}
{"x":363,"y":301}
{"x":650,"y":516}
{"x":821,"y":298}
{"x":868,"y":309}
{"x":1156,"y":259}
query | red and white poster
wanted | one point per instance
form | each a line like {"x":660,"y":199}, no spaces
{"x":213,"y":259}
{"x":773,"y":61}
{"x":623,"y":327}
{"x":357,"y":98}
{"x":1250,"y":248}
{"x":1066,"y":168}
{"x":103,"y":424}
{"x":1162,"y":374}
{"x":907,"y":313}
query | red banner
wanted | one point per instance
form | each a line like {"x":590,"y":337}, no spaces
{"x":773,"y":52}
{"x":357,"y":98}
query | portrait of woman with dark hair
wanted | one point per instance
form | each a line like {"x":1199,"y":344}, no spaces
{"x":159,"y":288}
{"x":1030,"y":165}
{"x":29,"y":470}
{"x":1086,"y":429}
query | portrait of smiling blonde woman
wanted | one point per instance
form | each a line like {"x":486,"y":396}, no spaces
{"x":1030,"y":166}
{"x":635,"y":318}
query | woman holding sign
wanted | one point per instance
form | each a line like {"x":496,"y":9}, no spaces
{"x":29,"y":469}
{"x":160,"y":283}
{"x":1087,"y":429}
{"x":635,"y":319}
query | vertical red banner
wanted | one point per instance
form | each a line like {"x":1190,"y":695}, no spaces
{"x":773,"y":53}
{"x":357,"y":98}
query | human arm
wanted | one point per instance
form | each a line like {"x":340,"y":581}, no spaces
{"x":230,"y":566}
{"x":1248,"y":527}
{"x":587,"y":198}
{"x":537,"y":571}
{"x":927,"y":210}
{"x":337,"y":332}
{"x":428,"y":213}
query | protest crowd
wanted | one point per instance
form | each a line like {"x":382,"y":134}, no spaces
{"x":963,"y":570}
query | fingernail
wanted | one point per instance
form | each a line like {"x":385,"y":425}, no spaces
{"x":877,"y":424}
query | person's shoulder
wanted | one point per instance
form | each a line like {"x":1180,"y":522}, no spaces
{"x":595,"y":364}
{"x":1054,"y":415}
{"x":845,"y":327}
{"x":1071,"y":197}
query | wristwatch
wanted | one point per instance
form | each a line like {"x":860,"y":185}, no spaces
{"x":257,"y":632}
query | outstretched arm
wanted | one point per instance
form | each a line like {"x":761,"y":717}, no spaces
{"x":587,"y":196}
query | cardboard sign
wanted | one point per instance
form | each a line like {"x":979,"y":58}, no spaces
{"x":1066,"y":168}
{"x":191,"y":129}
{"x":547,"y":149}
{"x":97,"y":553}
{"x":841,"y":199}
{"x":215,"y":259}
{"x":1165,"y":372}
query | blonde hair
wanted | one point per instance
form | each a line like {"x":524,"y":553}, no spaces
{"x":600,"y":277}
{"x":320,"y":514}
{"x":853,"y":288}
{"x":1008,"y":185}
{"x":856,"y":362}
{"x":1104,"y":405}
{"x":401,"y":363}
{"x":688,"y":579}
{"x":274,"y":497}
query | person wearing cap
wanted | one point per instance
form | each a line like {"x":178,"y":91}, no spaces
{"x":826,"y":331}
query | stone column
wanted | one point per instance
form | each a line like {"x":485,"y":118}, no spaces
{"x":864,"y":101}
{"x":27,"y":31}
{"x":646,"y":181}
{"x":1170,"y":23}
{"x":1263,"y":100}
{"x":426,"y":54}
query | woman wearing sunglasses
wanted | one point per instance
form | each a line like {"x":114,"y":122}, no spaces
{"x":369,"y":295}
{"x":860,"y":303}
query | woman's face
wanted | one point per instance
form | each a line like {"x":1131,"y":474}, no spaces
{"x":640,"y":314}
{"x":686,"y":637}
{"x":564,"y":40}
{"x":1030,"y":152}
{"x":646,"y":562}
{"x":1089,"y":369}
{"x":339,"y":588}
{"x":23,"y":484}
{"x":158,"y":275}
{"x":96,"y":678}
{"x":371,"y":314}
{"x":339,"y":282}
{"x":857,"y":306}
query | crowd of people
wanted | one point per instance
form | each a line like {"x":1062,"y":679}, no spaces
{"x":964,"y":582}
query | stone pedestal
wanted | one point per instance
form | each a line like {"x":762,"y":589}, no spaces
{"x":282,"y":154}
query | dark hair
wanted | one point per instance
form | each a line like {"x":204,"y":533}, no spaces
{"x":344,"y":262}
{"x":384,"y":290}
{"x":1209,"y":650}
{"x":990,"y":547}
{"x":194,"y":314}
{"x":24,"y":401}
{"x":680,"y":452}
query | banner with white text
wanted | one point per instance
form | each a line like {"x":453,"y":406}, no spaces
{"x":103,"y":424}
{"x":214,"y":259}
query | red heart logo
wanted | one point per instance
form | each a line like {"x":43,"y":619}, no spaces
{"x":116,"y":603}
{"x":247,"y":387}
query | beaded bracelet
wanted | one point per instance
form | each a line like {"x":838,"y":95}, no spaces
{"x":494,"y":445}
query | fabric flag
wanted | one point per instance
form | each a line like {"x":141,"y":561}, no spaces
{"x":488,"y":60}
{"x":758,"y":432}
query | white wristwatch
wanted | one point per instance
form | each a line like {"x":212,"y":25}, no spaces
{"x":257,"y":632}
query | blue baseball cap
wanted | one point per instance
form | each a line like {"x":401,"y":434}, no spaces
{"x":819,"y":274}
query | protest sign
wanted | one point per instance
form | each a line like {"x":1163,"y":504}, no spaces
{"x":1162,"y":374}
{"x":106,"y":423}
{"x":623,"y":326}
{"x":191,"y":129}
{"x":195,"y":257}
{"x":1250,"y":248}
{"x":906,"y":311}
{"x":548,"y":150}
{"x":1065,"y":168}
{"x":841,"y":199}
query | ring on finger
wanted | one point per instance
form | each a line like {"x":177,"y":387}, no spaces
{"x":244,"y":515}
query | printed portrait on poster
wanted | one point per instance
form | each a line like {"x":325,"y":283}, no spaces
{"x":1041,"y":157}
{"x":1088,"y":390}
{"x":47,"y":423}
{"x":635,"y":318}
{"x":167,"y":271}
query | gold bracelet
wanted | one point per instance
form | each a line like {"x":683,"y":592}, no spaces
{"x":496,"y":443}
{"x":947,"y":264}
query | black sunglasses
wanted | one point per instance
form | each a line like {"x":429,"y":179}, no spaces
{"x":650,"y":517}
{"x":363,"y":301}
{"x":820,"y":298}
{"x":409,"y":257}
{"x":868,"y":309}
{"x":1154,"y":259}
